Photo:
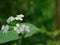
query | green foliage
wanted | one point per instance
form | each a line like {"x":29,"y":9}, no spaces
{"x":5,"y":37}
{"x":12,"y":35}
{"x":50,"y":42}
{"x":56,"y":33}
{"x":40,"y":13}
{"x":43,"y":29}
{"x":32,"y":28}
{"x":39,"y":44}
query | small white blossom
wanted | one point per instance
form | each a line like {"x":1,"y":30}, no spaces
{"x":17,"y":28}
{"x":17,"y":25}
{"x":21,"y":29}
{"x":10,"y":19}
{"x":25,"y":28}
{"x":5,"y":28}
{"x":19,"y":17}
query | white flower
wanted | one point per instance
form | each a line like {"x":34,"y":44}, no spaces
{"x":25,"y":29}
{"x":17,"y":25}
{"x":17,"y":28}
{"x":19,"y":17}
{"x":11,"y":18}
{"x":5,"y":28}
{"x":21,"y":29}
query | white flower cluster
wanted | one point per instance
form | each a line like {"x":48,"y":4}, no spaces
{"x":18,"y":17}
{"x":21,"y":29}
{"x":11,"y":18}
{"x":18,"y":28}
{"x":5,"y":28}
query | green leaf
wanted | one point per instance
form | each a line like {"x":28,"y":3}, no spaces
{"x":50,"y":42}
{"x":12,"y":35}
{"x":5,"y":37}
{"x":33,"y":29}
{"x":43,"y":30}
{"x":56,"y":33}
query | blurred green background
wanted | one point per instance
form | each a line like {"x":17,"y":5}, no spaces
{"x":38,"y":12}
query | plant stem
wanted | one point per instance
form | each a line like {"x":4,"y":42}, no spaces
{"x":20,"y":42}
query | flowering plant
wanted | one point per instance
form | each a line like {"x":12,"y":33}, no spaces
{"x":12,"y":32}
